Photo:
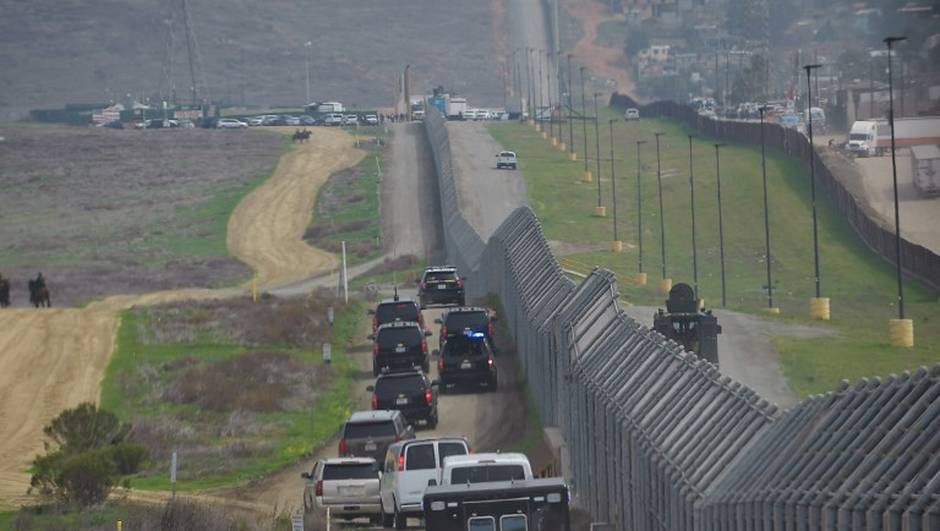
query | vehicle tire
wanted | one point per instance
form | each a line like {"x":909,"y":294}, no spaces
{"x":387,"y":519}
{"x":399,"y":519}
{"x":462,"y":301}
{"x":493,"y":384}
{"x":512,"y":167}
{"x":432,"y":422}
{"x":375,"y":370}
{"x":376,"y":521}
{"x":426,"y":366}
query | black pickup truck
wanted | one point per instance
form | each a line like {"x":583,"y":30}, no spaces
{"x":530,"y":505}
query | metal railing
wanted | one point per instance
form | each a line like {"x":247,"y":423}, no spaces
{"x":659,"y":439}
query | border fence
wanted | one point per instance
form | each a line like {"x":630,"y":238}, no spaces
{"x":660,"y":440}
{"x":916,"y":260}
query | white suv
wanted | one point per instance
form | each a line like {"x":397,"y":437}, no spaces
{"x":506,"y":159}
{"x":410,"y":467}
{"x":632,"y":114}
{"x":231,"y":123}
{"x":482,"y":468}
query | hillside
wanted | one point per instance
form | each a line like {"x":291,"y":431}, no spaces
{"x":56,"y":52}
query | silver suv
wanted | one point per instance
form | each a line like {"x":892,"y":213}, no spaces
{"x":348,"y":486}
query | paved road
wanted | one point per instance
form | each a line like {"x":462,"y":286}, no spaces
{"x":487,"y":195}
{"x":745,"y":352}
{"x":920,"y":217}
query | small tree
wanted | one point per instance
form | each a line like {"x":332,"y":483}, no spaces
{"x":84,"y":428}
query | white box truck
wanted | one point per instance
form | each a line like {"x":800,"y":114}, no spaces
{"x":456,"y":107}
{"x":925,"y":166}
{"x":873,"y":138}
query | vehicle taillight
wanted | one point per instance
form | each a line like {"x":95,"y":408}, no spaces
{"x":375,"y":322}
{"x":427,"y":396}
{"x":375,"y":401}
{"x":491,"y":329}
{"x":443,"y":331}
{"x":319,"y":489}
{"x":401,"y":462}
{"x":440,"y":364}
{"x":460,"y":283}
{"x":343,"y":449}
{"x":375,"y":349}
{"x":490,"y":361}
{"x":424,"y":285}
{"x":424,"y":346}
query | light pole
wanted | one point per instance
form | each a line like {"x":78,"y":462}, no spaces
{"x":767,"y":255}
{"x":665,"y":284}
{"x":819,"y":306}
{"x":570,"y":108}
{"x":528,"y":80}
{"x":551,"y":108}
{"x":307,"y":46}
{"x":721,"y":229}
{"x":538,"y":80}
{"x":617,"y":245}
{"x":692,"y":202}
{"x":641,"y":277}
{"x":600,"y":210}
{"x":587,"y":172}
{"x":904,"y":336}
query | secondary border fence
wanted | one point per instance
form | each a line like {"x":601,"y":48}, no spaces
{"x":660,"y":440}
{"x":916,"y":260}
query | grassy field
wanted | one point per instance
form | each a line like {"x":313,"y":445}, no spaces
{"x":859,"y":283}
{"x":347,"y":206}
{"x":272,"y":399}
{"x":103,"y":211}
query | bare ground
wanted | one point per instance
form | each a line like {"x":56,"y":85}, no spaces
{"x":602,"y":62}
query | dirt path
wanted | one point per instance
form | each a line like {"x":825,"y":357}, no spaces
{"x":605,"y":63}
{"x":55,"y":359}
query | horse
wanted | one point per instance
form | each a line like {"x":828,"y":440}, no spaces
{"x":39,"y":296}
{"x":300,"y":136}
{"x":4,"y":293}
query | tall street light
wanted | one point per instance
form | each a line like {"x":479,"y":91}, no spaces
{"x":307,"y":46}
{"x":538,"y":84}
{"x":570,"y":108}
{"x":641,"y":277}
{"x":721,"y":229}
{"x":617,"y":245}
{"x":902,"y":333}
{"x":551,"y":108}
{"x":528,"y":81}
{"x":665,"y":284}
{"x":767,"y":256}
{"x":692,"y":202}
{"x":819,"y":307}
{"x":600,"y":210}
{"x":587,"y":172}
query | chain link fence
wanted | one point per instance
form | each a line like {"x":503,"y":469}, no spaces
{"x":660,"y":440}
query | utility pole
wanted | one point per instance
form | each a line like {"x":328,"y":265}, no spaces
{"x":767,"y":255}
{"x":600,"y":211}
{"x":721,"y":229}
{"x":587,"y":172}
{"x":617,"y":245}
{"x":307,"y":46}
{"x":662,"y":215}
{"x":541,"y":105}
{"x":692,"y":202}
{"x":528,"y":81}
{"x":551,"y":108}
{"x":641,"y":278}
{"x":822,"y":310}
{"x":570,"y":108}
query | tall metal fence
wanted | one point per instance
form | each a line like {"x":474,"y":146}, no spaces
{"x":660,"y":440}
{"x":916,"y":260}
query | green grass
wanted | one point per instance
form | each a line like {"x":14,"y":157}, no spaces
{"x":335,"y":210}
{"x":53,"y":518}
{"x":401,"y":277}
{"x":295,"y":433}
{"x":611,"y":34}
{"x":861,"y":285}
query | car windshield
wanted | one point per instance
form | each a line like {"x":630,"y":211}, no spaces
{"x":435,"y":276}
{"x":392,"y":337}
{"x":459,"y":321}
{"x":397,"y":311}
{"x":858,"y":136}
{"x":350,"y":471}
{"x":484,"y":473}
{"x":396,"y":385}
{"x":460,"y":346}
{"x":363,"y":430}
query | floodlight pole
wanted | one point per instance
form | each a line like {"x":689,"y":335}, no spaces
{"x":894,"y":173}
{"x":692,"y":201}
{"x":767,"y":255}
{"x":721,"y":230}
{"x":662,"y":218}
{"x":639,"y":206}
{"x":812,"y":174}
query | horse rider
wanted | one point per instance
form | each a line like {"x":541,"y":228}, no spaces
{"x":40,"y":281}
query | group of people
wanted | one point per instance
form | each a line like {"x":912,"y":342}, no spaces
{"x":38,"y":292}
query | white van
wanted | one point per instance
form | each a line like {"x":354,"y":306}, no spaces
{"x":410,"y":466}
{"x":482,"y":468}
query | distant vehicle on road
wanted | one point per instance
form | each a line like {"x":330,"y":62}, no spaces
{"x":469,"y":114}
{"x":467,"y":360}
{"x":306,"y":119}
{"x":486,"y":467}
{"x":331,"y":107}
{"x":863,"y":139}
{"x":400,"y":346}
{"x":631,"y":114}
{"x":333,"y":119}
{"x":292,"y":120}
{"x":256,"y":121}
{"x":351,"y":119}
{"x":530,"y":505}
{"x":348,"y":486}
{"x":925,"y":169}
{"x":161,"y":124}
{"x":462,"y":320}
{"x":396,"y":310}
{"x":409,"y":468}
{"x":370,"y":119}
{"x":441,"y":285}
{"x":230,"y":123}
{"x":506,"y":159}
{"x":369,"y":433}
{"x":410,"y":392}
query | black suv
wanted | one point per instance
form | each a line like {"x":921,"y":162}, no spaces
{"x":467,"y":360}
{"x":441,"y":285}
{"x":467,"y":320}
{"x":410,"y":392}
{"x":399,"y":346}
{"x":396,"y":311}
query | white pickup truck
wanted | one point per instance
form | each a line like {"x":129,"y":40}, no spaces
{"x":347,"y":486}
{"x":484,"y":468}
{"x":506,"y":159}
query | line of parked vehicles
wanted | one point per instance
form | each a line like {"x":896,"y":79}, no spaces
{"x":387,"y":474}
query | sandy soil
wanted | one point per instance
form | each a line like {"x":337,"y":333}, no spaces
{"x":603,"y":63}
{"x":54,"y":359}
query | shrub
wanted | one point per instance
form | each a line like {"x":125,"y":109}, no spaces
{"x":82,"y":479}
{"x":85,"y":428}
{"x":128,"y":457}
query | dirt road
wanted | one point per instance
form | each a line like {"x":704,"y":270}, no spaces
{"x":54,"y":359}
{"x":487,"y":196}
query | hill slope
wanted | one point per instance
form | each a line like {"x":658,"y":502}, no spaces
{"x":54,"y":52}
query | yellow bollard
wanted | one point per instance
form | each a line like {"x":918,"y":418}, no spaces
{"x":120,"y":525}
{"x":641,"y":279}
{"x":772,"y":310}
{"x":819,"y":308}
{"x":254,"y":288}
{"x":701,"y":304}
{"x":586,"y":176}
{"x":901,"y":332}
{"x":616,"y":246}
{"x":538,"y":126}
{"x":600,"y":211}
{"x":554,"y":142}
{"x":574,"y":155}
{"x":545,"y":135}
{"x":562,"y":146}
{"x":665,"y":285}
